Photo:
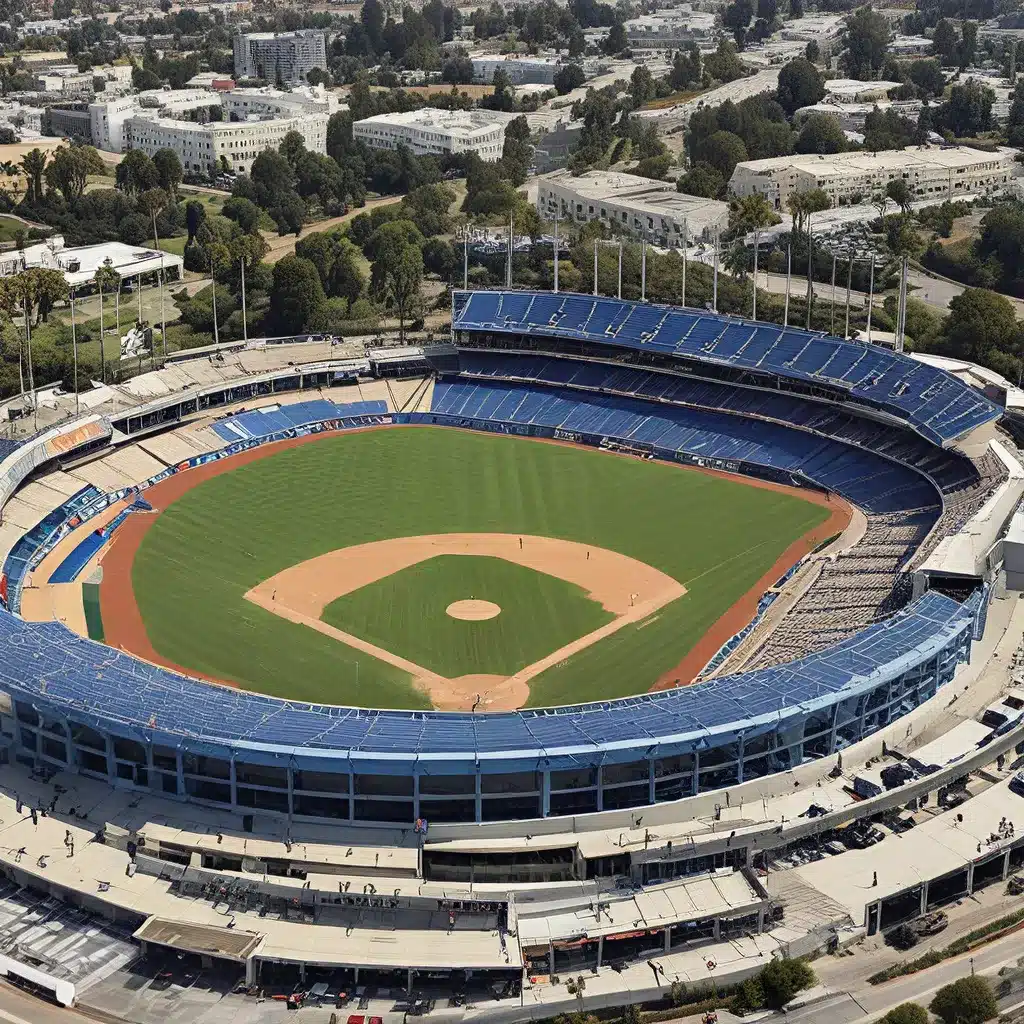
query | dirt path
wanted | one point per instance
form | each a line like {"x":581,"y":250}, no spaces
{"x":281,"y":246}
{"x":628,"y":588}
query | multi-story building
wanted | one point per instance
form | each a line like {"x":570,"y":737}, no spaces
{"x":200,"y":147}
{"x":670,"y":29}
{"x":432,"y":132}
{"x":520,"y":70}
{"x":285,"y":57}
{"x":69,"y":122}
{"x":106,"y":122}
{"x":240,"y":104}
{"x":178,"y":101}
{"x":632,"y":206}
{"x":936,"y":172}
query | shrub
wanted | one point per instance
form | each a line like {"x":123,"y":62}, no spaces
{"x":782,"y":979}
{"x":906,"y":1013}
{"x":968,"y":1000}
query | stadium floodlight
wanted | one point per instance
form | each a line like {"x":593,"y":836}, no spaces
{"x":789,"y":279}
{"x":871,"y":295}
{"x":74,"y":344}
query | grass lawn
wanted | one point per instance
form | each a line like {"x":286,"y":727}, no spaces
{"x":405,"y":613}
{"x":9,"y":227}
{"x":716,"y":536}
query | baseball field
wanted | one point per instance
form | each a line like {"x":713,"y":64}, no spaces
{"x":418,"y":567}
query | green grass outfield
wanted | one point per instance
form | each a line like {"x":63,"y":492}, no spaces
{"x":405,"y":613}
{"x":716,"y":536}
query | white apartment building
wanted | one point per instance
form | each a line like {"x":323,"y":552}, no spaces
{"x":201,"y":146}
{"x":432,"y":132}
{"x":671,"y":28}
{"x":937,"y":172}
{"x":520,"y":70}
{"x":178,"y":101}
{"x":631,"y":205}
{"x":106,"y":122}
{"x":241,"y":104}
{"x":286,"y":57}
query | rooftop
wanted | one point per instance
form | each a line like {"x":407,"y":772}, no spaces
{"x":643,"y":193}
{"x":466,"y":123}
{"x":948,"y":157}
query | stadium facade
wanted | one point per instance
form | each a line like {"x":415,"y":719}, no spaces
{"x":876,"y":427}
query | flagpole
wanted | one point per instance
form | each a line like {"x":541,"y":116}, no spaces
{"x":620,"y":268}
{"x":714,"y":294}
{"x":595,"y":267}
{"x":643,"y":268}
{"x":832,"y":326}
{"x":849,"y":279}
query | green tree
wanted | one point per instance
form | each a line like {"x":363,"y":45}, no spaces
{"x":568,"y":77}
{"x":724,"y":65}
{"x":813,"y":52}
{"x":944,"y":41}
{"x":723,"y":151}
{"x":968,"y":110}
{"x":782,"y":979}
{"x":968,"y":1000}
{"x":106,"y":280}
{"x":752,"y":213}
{"x":641,"y":86}
{"x":899,"y":192}
{"x":702,"y":180}
{"x":297,"y":299}
{"x":69,"y":169}
{"x":136,"y":172}
{"x":820,"y":133}
{"x":615,"y":42}
{"x":906,"y":1013}
{"x":244,"y":212}
{"x":927,"y":76}
{"x":866,"y":42}
{"x":33,"y":163}
{"x":979,"y":323}
{"x":169,"y":170}
{"x":402,"y":279}
{"x":686,"y":68}
{"x":195,"y":217}
{"x":801,"y":84}
{"x":516,"y":152}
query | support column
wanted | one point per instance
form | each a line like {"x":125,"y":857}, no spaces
{"x":600,"y":787}
{"x":650,"y":780}
{"x":741,"y":747}
{"x":1006,"y":865}
{"x":545,"y":793}
{"x":760,"y":919}
{"x":924,"y":897}
{"x":695,"y":781}
{"x":179,"y":765}
{"x":408,"y":980}
{"x":416,"y":795}
{"x":233,"y":778}
{"x":250,"y":972}
{"x":111,"y":766}
{"x":718,"y":928}
{"x":668,"y":938}
{"x":600,"y":951}
{"x":970,"y":878}
{"x":478,"y":814}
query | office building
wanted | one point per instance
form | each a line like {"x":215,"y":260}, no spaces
{"x":284,"y":57}
{"x":631,"y":205}
{"x":520,"y":70}
{"x":432,"y":132}
{"x":670,"y":29}
{"x":931,"y":172}
{"x":201,"y":147}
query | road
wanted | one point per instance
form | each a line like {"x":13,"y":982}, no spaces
{"x":281,"y":246}
{"x":17,"y":1007}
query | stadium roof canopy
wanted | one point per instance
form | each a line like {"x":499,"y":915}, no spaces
{"x":48,"y":662}
{"x":931,"y":401}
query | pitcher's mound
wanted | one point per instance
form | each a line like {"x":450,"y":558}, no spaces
{"x":472,"y":610}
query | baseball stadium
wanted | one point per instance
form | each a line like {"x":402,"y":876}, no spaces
{"x":586,"y":605}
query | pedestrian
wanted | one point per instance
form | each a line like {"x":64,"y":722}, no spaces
{"x":588,"y":554}
{"x":273,"y":596}
{"x":520,"y":543}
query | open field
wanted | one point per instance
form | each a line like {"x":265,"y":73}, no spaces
{"x":236,"y":524}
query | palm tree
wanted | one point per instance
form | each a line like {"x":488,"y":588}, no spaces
{"x":752,"y":213}
{"x":802,"y":206}
{"x":105,"y":277}
{"x":33,"y":163}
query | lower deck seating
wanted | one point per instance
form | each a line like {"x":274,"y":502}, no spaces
{"x":867,"y":479}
